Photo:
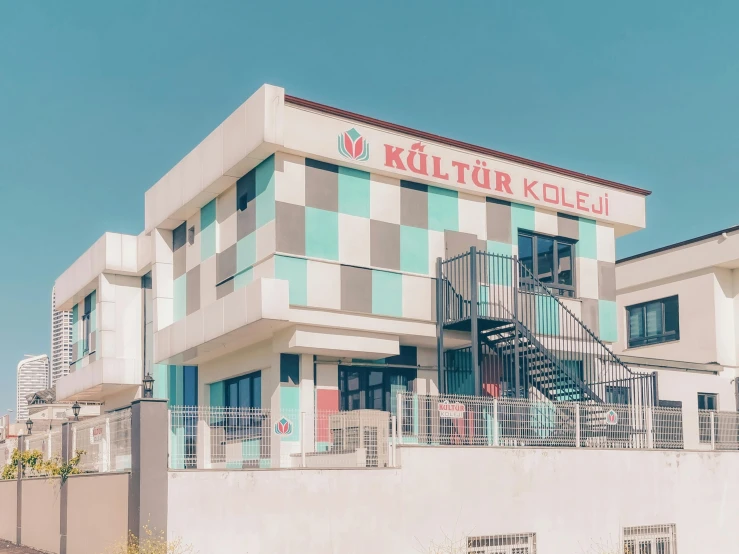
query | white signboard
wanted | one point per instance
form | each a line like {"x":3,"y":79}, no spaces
{"x":451,"y":410}
{"x":97,"y":434}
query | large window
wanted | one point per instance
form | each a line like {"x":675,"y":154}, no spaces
{"x":365,"y":388}
{"x":654,"y":322}
{"x":244,"y":391}
{"x":522,"y":543}
{"x":548,"y":259}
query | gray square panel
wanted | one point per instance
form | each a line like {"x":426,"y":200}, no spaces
{"x":414,"y":205}
{"x":179,"y":262}
{"x":498,"y":215}
{"x":225,"y":289}
{"x":568,"y":226}
{"x":356,"y":289}
{"x":456,"y":243}
{"x":590,"y":315}
{"x":193,"y":290}
{"x":290,"y":228}
{"x":226,"y":264}
{"x":384,"y":245}
{"x":321,"y":185}
{"x":246,"y":220}
{"x":607,"y":281}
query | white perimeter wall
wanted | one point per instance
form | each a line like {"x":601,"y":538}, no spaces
{"x":572,"y":499}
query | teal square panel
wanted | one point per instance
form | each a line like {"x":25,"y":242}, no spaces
{"x":607,"y":320}
{"x":246,"y":252}
{"x":354,"y":192}
{"x":180,"y":297}
{"x":387,"y":293}
{"x":321,"y":234}
{"x":294,"y":271}
{"x":500,"y":270}
{"x":244,"y":278}
{"x":160,"y":373}
{"x":587,"y":245}
{"x":443,"y":209}
{"x":522,"y":217}
{"x":265,"y":191}
{"x":414,"y":250}
{"x":290,"y":410}
{"x":547,"y":315}
{"x":208,"y":230}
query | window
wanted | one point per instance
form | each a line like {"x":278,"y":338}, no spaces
{"x":367,"y":388}
{"x":617,"y":395}
{"x":522,"y":543}
{"x":179,"y":235}
{"x":87,"y":324}
{"x":290,"y":369}
{"x":548,"y":259}
{"x":246,"y":190}
{"x":707,"y":401}
{"x":244,"y":391}
{"x":653,"y":322}
{"x":650,"y":539}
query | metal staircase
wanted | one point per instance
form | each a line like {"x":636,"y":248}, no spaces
{"x":532,"y":340}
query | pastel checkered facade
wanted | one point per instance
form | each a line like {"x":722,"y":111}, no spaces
{"x":354,"y":241}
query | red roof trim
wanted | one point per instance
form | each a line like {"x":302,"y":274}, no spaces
{"x":458,"y":144}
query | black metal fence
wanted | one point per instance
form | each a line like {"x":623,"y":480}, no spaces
{"x":525,"y":338}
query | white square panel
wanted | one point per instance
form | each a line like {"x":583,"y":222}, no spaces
{"x":417,"y":297}
{"x":266,"y":238}
{"x":606,"y":243}
{"x":289,"y":179}
{"x":546,"y":222}
{"x":472,"y":216}
{"x":587,"y":278}
{"x":384,"y":199}
{"x":324,"y":285}
{"x":354,"y":240}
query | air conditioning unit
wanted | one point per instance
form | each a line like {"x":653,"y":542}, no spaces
{"x":361,"y":430}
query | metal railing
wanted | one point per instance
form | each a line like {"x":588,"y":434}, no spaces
{"x":719,"y":429}
{"x":457,"y":420}
{"x":49,"y":443}
{"x":6,"y":451}
{"x":530,"y":343}
{"x":105,"y":441}
{"x":209,"y":437}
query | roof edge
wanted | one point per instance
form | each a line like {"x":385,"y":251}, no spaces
{"x":678,"y":244}
{"x":459,"y":144}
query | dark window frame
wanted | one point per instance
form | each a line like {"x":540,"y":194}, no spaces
{"x":255,"y":401}
{"x":86,"y":327}
{"x":179,"y":237}
{"x":665,"y":336}
{"x":366,"y":389}
{"x":705,"y":396}
{"x":555,"y":287}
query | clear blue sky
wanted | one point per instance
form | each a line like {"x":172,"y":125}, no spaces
{"x":99,"y":99}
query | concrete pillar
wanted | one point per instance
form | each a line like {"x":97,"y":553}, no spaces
{"x":148,"y":486}
{"x":19,"y":496}
{"x":66,"y":455}
{"x":307,"y":403}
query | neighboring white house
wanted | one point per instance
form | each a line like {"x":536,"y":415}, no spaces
{"x":678,"y":314}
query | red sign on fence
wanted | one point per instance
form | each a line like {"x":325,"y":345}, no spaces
{"x":451,"y":410}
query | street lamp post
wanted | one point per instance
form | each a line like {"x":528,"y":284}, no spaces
{"x":148,"y":386}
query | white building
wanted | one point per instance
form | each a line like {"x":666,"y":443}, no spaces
{"x":307,"y":275}
{"x":678,"y":315}
{"x":61,"y":341}
{"x":32,"y":376}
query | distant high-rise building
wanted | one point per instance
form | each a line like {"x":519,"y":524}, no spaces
{"x":33,"y":376}
{"x":61,"y":341}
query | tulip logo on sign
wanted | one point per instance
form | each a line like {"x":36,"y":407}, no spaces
{"x":284,"y":427}
{"x":611,"y":417}
{"x":352,"y":145}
